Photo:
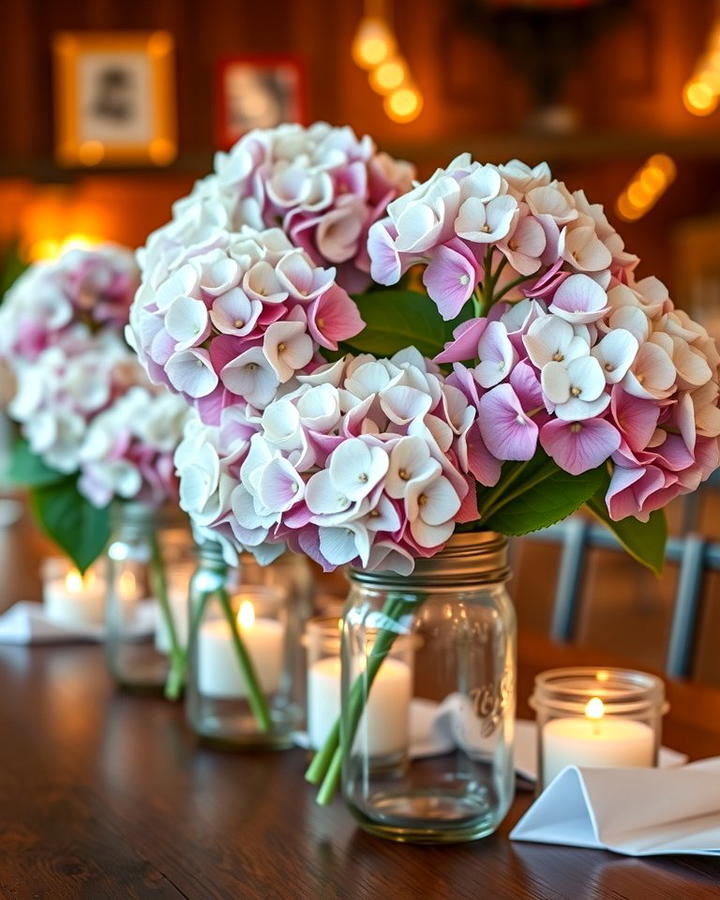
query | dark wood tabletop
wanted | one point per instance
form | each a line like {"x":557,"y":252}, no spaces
{"x":105,"y":795}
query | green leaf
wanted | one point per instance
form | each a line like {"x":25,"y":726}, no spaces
{"x":546,"y":496}
{"x":395,"y":320}
{"x":28,"y":469}
{"x":645,"y":541}
{"x":80,"y":529}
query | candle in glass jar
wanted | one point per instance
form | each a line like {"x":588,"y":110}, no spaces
{"x":219,"y":672}
{"x":595,"y":740}
{"x":386,"y":718}
{"x":73,"y":599}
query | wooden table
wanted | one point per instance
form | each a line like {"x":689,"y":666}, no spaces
{"x":104,"y":795}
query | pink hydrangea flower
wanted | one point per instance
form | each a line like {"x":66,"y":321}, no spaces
{"x":232,"y":319}
{"x":94,"y":287}
{"x":365,"y":461}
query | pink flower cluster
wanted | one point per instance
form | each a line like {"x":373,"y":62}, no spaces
{"x":574,"y":354}
{"x":94,"y":287}
{"x":81,"y":398}
{"x":234,"y":315}
{"x":471,"y":220}
{"x":363,"y":461}
{"x":322,"y":185}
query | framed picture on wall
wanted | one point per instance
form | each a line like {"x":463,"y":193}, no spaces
{"x":114,"y":98}
{"x":258,"y":92}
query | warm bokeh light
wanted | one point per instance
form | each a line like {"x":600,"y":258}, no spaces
{"x":389,"y":75}
{"x":90,"y":153}
{"x":162,"y":151}
{"x":646,"y":187}
{"x":699,"y":98}
{"x":73,"y":582}
{"x":246,"y":614}
{"x":51,"y":248}
{"x":403,"y":105}
{"x":373,"y":43}
{"x":595,"y":708}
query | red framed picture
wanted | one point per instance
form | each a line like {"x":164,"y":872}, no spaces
{"x":258,"y":92}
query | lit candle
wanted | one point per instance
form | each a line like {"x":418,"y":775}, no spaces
{"x":74,"y":600}
{"x":386,"y":717}
{"x":219,"y":672}
{"x":595,"y":740}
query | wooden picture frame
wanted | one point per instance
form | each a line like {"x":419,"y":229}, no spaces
{"x":114,"y":98}
{"x":258,"y":91}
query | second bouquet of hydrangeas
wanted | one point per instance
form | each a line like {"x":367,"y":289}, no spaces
{"x":533,"y":375}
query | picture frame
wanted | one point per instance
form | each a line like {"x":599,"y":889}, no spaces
{"x":258,"y":91}
{"x":114,"y":98}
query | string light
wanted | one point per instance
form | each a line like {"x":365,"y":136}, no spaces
{"x":404,"y":105}
{"x":646,"y":187}
{"x":389,"y":75}
{"x":373,"y":43}
{"x":702,"y":91}
{"x":374,"y":50}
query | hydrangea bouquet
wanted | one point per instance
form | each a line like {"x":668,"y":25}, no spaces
{"x":92,"y":427}
{"x":497,"y":365}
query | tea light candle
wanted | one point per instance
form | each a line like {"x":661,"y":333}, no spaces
{"x":595,"y":740}
{"x":219,"y":673}
{"x":386,"y":718}
{"x":73,"y":600}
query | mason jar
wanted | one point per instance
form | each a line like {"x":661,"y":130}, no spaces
{"x":246,"y":679}
{"x":428,"y":695}
{"x":148,"y":575}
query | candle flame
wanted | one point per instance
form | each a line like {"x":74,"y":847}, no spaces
{"x":73,"y":581}
{"x":246,"y":614}
{"x":127,"y":584}
{"x":595,"y":708}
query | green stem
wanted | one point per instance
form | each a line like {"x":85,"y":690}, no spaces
{"x":508,"y":287}
{"x":256,"y":698}
{"x":501,"y":487}
{"x":359,"y":694}
{"x":176,"y":673}
{"x":547,"y":471}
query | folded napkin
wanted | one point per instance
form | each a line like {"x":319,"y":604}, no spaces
{"x":26,"y":623}
{"x":635,"y":811}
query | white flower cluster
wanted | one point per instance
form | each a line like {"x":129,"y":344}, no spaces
{"x":64,"y":388}
{"x":128,"y":449}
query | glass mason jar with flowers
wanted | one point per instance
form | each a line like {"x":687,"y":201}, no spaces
{"x":531,"y":376}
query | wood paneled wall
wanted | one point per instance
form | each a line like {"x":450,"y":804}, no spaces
{"x":629,"y":81}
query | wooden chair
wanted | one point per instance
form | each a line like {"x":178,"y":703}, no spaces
{"x":693,"y":554}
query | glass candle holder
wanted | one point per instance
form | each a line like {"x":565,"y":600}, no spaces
{"x":148,"y":575}
{"x":596,"y":717}
{"x":322,"y":649}
{"x":243,"y":686}
{"x":71,"y":599}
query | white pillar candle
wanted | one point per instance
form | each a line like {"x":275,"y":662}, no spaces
{"x":178,"y":603}
{"x":219,"y":672}
{"x":595,"y":740}
{"x":386,"y":718}
{"x":74,"y":600}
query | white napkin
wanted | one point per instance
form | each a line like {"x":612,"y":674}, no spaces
{"x":635,"y":811}
{"x":26,"y":623}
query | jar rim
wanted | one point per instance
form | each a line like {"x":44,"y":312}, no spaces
{"x":468,"y":559}
{"x":623,"y":691}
